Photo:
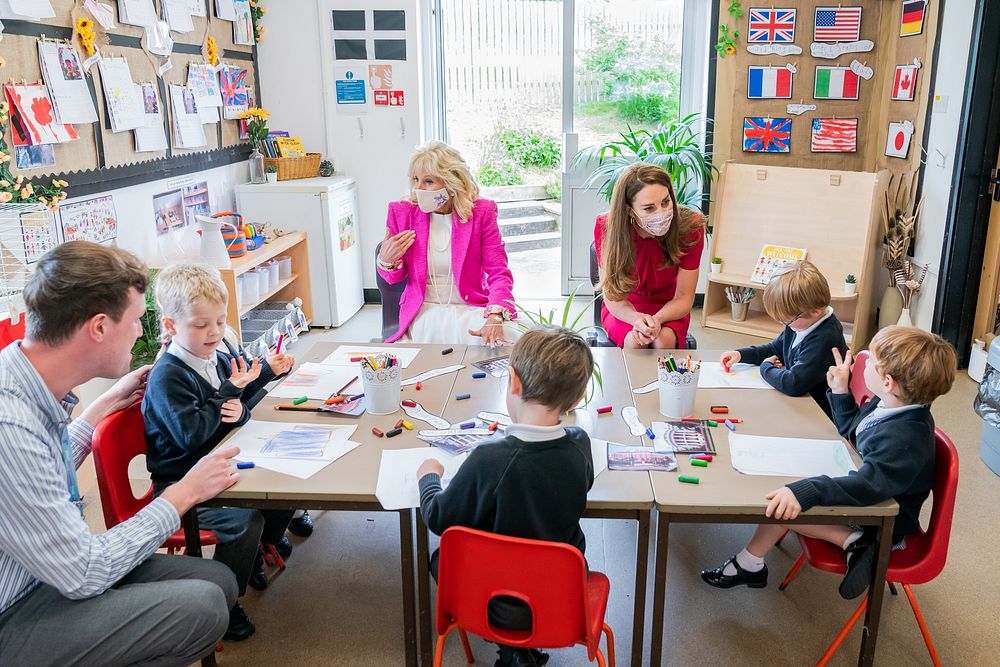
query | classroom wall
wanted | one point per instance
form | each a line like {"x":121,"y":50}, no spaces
{"x":297,"y":81}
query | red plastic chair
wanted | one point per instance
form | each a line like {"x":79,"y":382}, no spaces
{"x":862,"y":394}
{"x":567,"y":605}
{"x":118,"y":439}
{"x":9,"y":332}
{"x":921,"y":561}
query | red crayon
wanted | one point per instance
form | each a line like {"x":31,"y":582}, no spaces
{"x":691,"y":419}
{"x":377,"y":432}
{"x":410,"y":404}
{"x":606,"y":409}
{"x":398,"y":424}
{"x":493,"y":426}
{"x":418,"y":385}
{"x":703,"y":457}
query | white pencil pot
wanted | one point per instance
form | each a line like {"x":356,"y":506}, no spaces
{"x":382,"y":389}
{"x":272,"y":177}
{"x":850,"y":288}
{"x":677,"y":393}
{"x":715,"y":268}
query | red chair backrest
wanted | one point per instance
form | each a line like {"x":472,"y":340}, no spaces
{"x":118,"y":439}
{"x":549,"y":576}
{"x":859,"y":389}
{"x":938,"y":535}
{"x":11,"y":332}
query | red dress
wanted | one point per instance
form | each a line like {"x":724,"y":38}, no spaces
{"x":656,"y":285}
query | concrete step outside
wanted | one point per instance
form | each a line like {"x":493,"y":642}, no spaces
{"x":509,"y":193}
{"x":533,"y":241}
{"x":510,"y":228}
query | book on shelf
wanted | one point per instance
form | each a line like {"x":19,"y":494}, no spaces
{"x":270,"y":148}
{"x":774,"y":258}
{"x":290,"y":146}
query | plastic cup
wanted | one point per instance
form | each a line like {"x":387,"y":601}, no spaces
{"x":382,"y":389}
{"x":677,"y":392}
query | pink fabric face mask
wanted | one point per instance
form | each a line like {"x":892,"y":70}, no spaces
{"x":657,"y":223}
{"x":431,"y":200}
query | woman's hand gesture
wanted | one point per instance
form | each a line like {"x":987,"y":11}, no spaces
{"x":838,"y":377}
{"x":394,"y":247}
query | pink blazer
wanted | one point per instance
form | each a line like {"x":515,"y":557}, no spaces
{"x":478,"y":260}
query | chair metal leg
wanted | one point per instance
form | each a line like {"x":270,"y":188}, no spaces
{"x":844,"y":631}
{"x":465,"y":645}
{"x":610,"y":637}
{"x":439,"y":648}
{"x":781,"y":539}
{"x":892,"y":588}
{"x":600,"y":658}
{"x":791,"y":573}
{"x":269,"y":550}
{"x":923,"y":624}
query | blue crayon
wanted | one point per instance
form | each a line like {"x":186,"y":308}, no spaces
{"x":471,"y":424}
{"x":649,"y":434}
{"x":243,"y":465}
{"x":462,"y":397}
{"x":478,"y":376}
{"x":730,"y":426}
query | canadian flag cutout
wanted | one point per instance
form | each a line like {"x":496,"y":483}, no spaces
{"x":904,"y":83}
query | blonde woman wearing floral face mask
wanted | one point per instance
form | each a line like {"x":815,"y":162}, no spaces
{"x":444,"y":241}
{"x":649,"y":249}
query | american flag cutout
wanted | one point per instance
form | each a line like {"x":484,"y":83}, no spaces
{"x":834,"y":135}
{"x":767,"y":135}
{"x":836,"y":83}
{"x":769,"y":83}
{"x":904,"y":84}
{"x":911,"y":21}
{"x":837,"y":24}
{"x":771,"y":25}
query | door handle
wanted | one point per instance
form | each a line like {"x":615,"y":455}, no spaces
{"x":995,"y":182}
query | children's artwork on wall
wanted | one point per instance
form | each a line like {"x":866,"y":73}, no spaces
{"x":224,"y":10}
{"x":123,"y":106}
{"x":38,"y":233}
{"x":767,"y":135}
{"x":189,"y":132}
{"x":772,"y":259}
{"x":769,"y":83}
{"x":137,"y":12}
{"x":150,"y":137}
{"x":90,"y":220}
{"x":233,"y":85}
{"x":897,"y":142}
{"x":774,"y":49}
{"x":243,"y":24}
{"x":346,"y":228}
{"x":832,"y":51}
{"x":201,"y":79}
{"x":177,"y":14}
{"x":26,"y":156}
{"x":168,"y":211}
{"x":834,"y":135}
{"x":35,"y":113}
{"x":904,"y":83}
{"x":836,"y":83}
{"x":63,"y":77}
{"x":911,"y":21}
{"x":799,"y":109}
{"x":771,"y":25}
{"x":837,"y":24}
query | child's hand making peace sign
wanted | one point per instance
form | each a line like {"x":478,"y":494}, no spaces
{"x":838,"y":377}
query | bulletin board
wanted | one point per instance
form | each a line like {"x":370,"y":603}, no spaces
{"x":102,"y":159}
{"x":874,"y":109}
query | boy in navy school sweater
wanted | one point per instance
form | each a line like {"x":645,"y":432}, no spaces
{"x":795,"y":362}
{"x":533,"y":482}
{"x":894,"y":435}
{"x":195,"y":395}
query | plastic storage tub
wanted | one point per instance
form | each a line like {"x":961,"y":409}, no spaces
{"x":987,"y":406}
{"x":284,"y":266}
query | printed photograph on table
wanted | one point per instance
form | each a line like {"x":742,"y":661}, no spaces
{"x":764,"y":83}
{"x":836,"y":83}
{"x":459,"y":443}
{"x":911,"y":20}
{"x":90,"y":220}
{"x":168,"y":211}
{"x":771,"y":26}
{"x":495,"y":366}
{"x":345,"y":227}
{"x":684,"y":437}
{"x":622,"y":457}
{"x":767,"y":135}
{"x":834,"y":135}
{"x":837,"y":24}
{"x":38,"y":234}
{"x":904,"y":83}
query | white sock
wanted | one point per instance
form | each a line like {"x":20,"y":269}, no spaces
{"x":747,"y":561}
{"x":852,"y":538}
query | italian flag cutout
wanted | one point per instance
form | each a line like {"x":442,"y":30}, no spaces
{"x":836,"y":83}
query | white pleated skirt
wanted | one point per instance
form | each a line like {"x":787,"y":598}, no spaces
{"x":449,"y":324}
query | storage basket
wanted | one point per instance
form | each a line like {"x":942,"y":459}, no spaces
{"x":290,"y":168}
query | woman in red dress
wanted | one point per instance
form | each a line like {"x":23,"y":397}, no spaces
{"x":649,"y":250}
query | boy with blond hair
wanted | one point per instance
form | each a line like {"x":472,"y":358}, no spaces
{"x":795,"y":362}
{"x":894,"y":435}
{"x":195,"y":396}
{"x":531,"y":483}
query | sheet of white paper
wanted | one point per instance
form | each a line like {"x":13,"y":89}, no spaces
{"x":208,"y":114}
{"x":599,"y":450}
{"x":30,"y":10}
{"x":225,"y":10}
{"x":789,"y":457}
{"x":742,"y":376}
{"x":177,"y":15}
{"x":342,"y":355}
{"x":137,"y":12}
{"x":397,"y":486}
{"x":123,"y":105}
{"x":102,"y":13}
{"x":256,"y":439}
{"x":433,"y":373}
{"x":197,"y":7}
{"x":151,"y":137}
{"x":317,"y":381}
{"x":188,"y":129}
{"x":301,"y":468}
{"x":67,"y":85}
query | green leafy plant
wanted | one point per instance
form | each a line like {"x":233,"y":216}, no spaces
{"x":530,"y":148}
{"x":553,"y":189}
{"x":716,"y":260}
{"x":850,"y":279}
{"x":728,"y":35}
{"x":271,"y":169}
{"x":494,"y":174}
{"x":674,"y":146}
{"x":147,"y":346}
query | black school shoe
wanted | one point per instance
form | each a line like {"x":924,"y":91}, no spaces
{"x":520,"y":657}
{"x":301,"y":526}
{"x":742,"y":577}
{"x":860,"y":561}
{"x":283,"y":547}
{"x":258,"y":578}
{"x":240,"y":625}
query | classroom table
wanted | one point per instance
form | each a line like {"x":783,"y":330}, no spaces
{"x":615,"y":495}
{"x":349,"y":482}
{"x":727,"y":496}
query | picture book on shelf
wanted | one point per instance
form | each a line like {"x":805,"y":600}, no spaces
{"x":772,"y":259}
{"x":290,"y":146}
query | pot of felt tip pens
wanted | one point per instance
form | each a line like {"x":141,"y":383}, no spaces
{"x":382,"y":377}
{"x":678,"y":384}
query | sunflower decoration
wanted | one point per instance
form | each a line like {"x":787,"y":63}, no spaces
{"x":15,"y":189}
{"x":86,"y":34}
{"x":257,"y":12}
{"x":212,"y":52}
{"x":728,"y":36}
{"x":256,"y":125}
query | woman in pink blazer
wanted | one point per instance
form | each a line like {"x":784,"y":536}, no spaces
{"x":444,"y":241}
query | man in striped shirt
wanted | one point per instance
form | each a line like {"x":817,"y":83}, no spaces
{"x":68,"y":596}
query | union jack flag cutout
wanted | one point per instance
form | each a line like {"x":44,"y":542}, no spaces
{"x":767,"y":135}
{"x":834,"y":135}
{"x":771,"y":25}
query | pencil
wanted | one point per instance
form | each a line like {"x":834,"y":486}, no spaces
{"x":299,"y":408}
{"x":342,"y":389}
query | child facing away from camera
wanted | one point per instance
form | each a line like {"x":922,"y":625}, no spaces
{"x":894,"y":435}
{"x":196,"y":395}
{"x":795,"y":362}
{"x":531,"y":483}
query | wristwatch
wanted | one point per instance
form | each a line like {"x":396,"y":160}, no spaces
{"x":387,"y":266}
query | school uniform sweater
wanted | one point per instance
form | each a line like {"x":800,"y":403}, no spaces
{"x":183,"y":413}
{"x":897,"y":454}
{"x":805,"y":364}
{"x":517,"y":487}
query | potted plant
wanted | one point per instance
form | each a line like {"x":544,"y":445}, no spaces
{"x":272,"y":173}
{"x":147,"y":346}
{"x":716,"y":265}
{"x":256,"y":119}
{"x":850,"y":284}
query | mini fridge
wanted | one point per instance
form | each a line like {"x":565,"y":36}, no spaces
{"x":327,"y":210}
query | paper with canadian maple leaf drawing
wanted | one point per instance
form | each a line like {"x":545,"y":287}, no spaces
{"x":34,"y":109}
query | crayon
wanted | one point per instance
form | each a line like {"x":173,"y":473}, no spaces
{"x":377,"y":432}
{"x":691,"y":419}
{"x":701,"y":463}
{"x":492,"y":427}
{"x":650,"y":434}
{"x":353,"y":359}
{"x":478,"y":376}
{"x":703,"y":457}
{"x":300,"y":400}
{"x":398,"y":424}
{"x":462,"y":397}
{"x":243,"y":465}
{"x":720,"y":410}
{"x":605,"y":410}
{"x":447,"y":350}
{"x":471,"y":424}
{"x":730,"y":426}
{"x":712,"y":423}
{"x":688,"y":480}
{"x":393,"y":433}
{"x":407,"y":425}
{"x":334,"y":400}
{"x":418,"y":385}
{"x":735,"y":420}
{"x":410,"y":404}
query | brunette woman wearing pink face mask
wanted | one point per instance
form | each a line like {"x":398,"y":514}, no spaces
{"x":444,"y":241}
{"x":649,"y":250}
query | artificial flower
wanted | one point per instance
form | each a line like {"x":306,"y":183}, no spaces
{"x":5,"y":197}
{"x":3,"y":105}
{"x":730,"y":50}
{"x":4,"y":157}
{"x":2,"y":61}
{"x":84,"y":24}
{"x":4,"y":184}
{"x":26,"y":191}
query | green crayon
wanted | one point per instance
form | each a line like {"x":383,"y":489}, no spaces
{"x":688,"y":480}
{"x":701,"y":463}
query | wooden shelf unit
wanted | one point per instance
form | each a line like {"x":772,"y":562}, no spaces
{"x":832,"y":214}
